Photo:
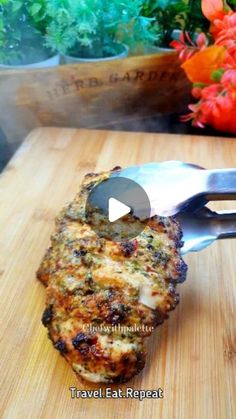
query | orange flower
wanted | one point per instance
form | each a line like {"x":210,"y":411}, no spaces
{"x":201,"y":65}
{"x":213,"y":70}
{"x":213,"y":9}
{"x":187,"y":47}
{"x":216,"y":106}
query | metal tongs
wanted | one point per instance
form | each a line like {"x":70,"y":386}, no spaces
{"x":183,"y":190}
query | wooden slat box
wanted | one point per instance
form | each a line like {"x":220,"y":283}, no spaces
{"x":92,"y":94}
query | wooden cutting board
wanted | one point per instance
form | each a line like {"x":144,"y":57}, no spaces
{"x":192,"y":357}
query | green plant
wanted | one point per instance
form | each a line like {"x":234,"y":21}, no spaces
{"x":232,"y":4}
{"x":90,"y":28}
{"x":169,"y":15}
{"x":195,"y":20}
{"x":38,"y":14}
{"x":20,"y":41}
{"x":8,"y":37}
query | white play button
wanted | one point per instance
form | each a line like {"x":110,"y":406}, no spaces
{"x":117,"y":210}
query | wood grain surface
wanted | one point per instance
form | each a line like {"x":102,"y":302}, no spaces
{"x":192,"y":357}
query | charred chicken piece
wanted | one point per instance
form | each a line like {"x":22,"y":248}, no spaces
{"x":104,"y":298}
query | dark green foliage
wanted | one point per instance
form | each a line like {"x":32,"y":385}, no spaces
{"x":20,"y":41}
{"x":175,"y":14}
{"x":169,"y":15}
{"x":232,"y":4}
{"x":195,"y":21}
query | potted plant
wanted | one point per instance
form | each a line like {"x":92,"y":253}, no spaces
{"x":21,"y":43}
{"x":96,"y":29}
{"x":169,"y":18}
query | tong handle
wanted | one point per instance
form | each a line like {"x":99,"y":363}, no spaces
{"x":224,"y":224}
{"x":202,"y":228}
{"x":221,"y":184}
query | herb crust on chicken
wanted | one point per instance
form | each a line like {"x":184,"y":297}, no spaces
{"x":104,"y":298}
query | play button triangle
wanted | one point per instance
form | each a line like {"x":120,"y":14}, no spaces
{"x":116,"y":209}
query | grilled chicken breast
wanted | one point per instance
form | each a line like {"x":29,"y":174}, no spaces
{"x":104,"y":298}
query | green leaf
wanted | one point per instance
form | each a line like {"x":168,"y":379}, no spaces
{"x":35,"y":8}
{"x":16,"y":5}
{"x":217,"y":74}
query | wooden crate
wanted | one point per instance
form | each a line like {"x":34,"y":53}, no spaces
{"x":91,"y":95}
